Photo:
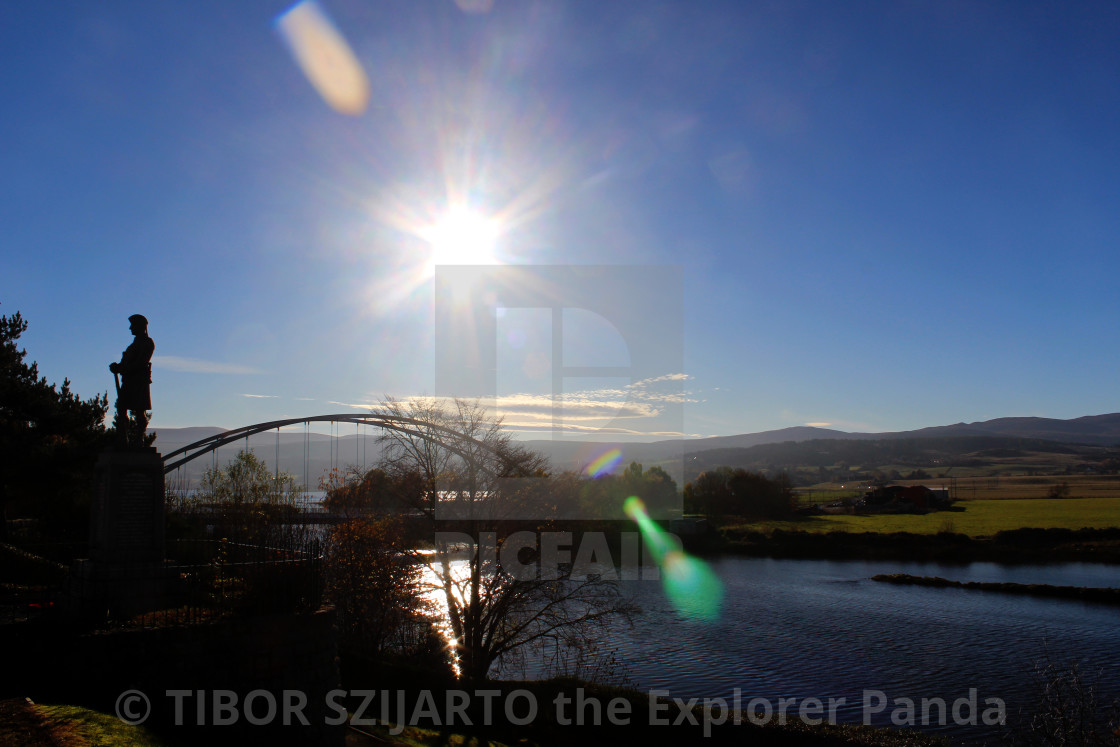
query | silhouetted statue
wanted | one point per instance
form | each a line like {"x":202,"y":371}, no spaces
{"x":134,"y":384}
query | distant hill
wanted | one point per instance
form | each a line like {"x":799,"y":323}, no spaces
{"x":746,"y":440}
{"x":1093,"y":430}
{"x":810,"y":462}
{"x":311,"y":456}
{"x":169,"y":439}
{"x":683,"y":458}
{"x":1098,"y":430}
{"x":577,"y":454}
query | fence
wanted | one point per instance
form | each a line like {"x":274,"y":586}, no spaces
{"x":200,"y":581}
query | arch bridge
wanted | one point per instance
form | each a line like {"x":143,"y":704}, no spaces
{"x":446,"y":437}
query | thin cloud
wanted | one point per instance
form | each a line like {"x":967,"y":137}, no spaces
{"x":578,"y":409}
{"x":576,"y":406}
{"x":657,"y":379}
{"x":260,"y":396}
{"x":850,"y":426}
{"x":195,"y":365}
{"x":532,"y":413}
{"x":534,"y":409}
{"x":356,"y":406}
{"x":583,"y":429}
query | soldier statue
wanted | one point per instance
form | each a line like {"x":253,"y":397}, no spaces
{"x":133,"y":377}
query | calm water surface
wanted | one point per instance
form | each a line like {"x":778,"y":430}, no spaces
{"x":821,"y":629}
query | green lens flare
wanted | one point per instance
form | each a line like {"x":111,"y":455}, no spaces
{"x":693,"y":588}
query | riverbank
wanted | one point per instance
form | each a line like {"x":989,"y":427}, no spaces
{"x":1080,"y":593}
{"x":1012,"y":546}
{"x":564,"y":711}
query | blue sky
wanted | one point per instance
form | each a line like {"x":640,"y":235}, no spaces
{"x":885,"y":215}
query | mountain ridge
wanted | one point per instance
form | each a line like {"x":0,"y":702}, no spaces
{"x":1090,"y":430}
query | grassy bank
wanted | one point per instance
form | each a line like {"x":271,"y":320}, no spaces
{"x":622,"y":714}
{"x":25,"y":724}
{"x":979,"y":518}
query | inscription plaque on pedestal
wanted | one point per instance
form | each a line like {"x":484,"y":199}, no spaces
{"x":127,"y":522}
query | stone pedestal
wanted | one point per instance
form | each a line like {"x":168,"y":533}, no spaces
{"x":125,"y":572}
{"x":127,"y":521}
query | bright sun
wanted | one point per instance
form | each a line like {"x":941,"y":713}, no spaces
{"x":462,"y":237}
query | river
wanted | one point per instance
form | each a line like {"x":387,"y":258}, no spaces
{"x":822,"y":629}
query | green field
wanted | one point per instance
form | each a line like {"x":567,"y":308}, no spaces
{"x":979,"y":518}
{"x":977,"y":488}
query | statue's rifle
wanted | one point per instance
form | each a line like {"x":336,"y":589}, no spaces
{"x":122,"y":434}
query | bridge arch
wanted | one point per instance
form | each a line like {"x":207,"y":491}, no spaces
{"x":400,"y":423}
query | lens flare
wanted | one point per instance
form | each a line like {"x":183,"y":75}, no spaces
{"x":324,"y":57}
{"x":693,"y":588}
{"x":605,"y":463}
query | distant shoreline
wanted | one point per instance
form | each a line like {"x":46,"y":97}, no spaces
{"x":1013,"y":546}
{"x":1079,"y":593}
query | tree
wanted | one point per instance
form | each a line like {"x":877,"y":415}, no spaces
{"x":49,"y":436}
{"x":470,"y":469}
{"x":1058,"y":490}
{"x":727,"y":492}
{"x":373,"y":578}
{"x":604,"y":497}
{"x":755,"y":494}
{"x":375,"y":492}
{"x":247,"y":500}
{"x":709,"y":493}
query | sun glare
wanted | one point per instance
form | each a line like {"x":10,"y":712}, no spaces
{"x":462,"y":237}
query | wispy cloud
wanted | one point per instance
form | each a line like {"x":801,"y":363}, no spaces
{"x":851,"y":426}
{"x":589,"y":429}
{"x":356,"y":406}
{"x":194,"y":365}
{"x":589,"y":411}
{"x":592,"y":405}
{"x":656,"y":379}
{"x":260,"y":396}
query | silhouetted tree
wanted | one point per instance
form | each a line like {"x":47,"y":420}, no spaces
{"x":472,"y":467}
{"x":1058,"y":490}
{"x":374,"y":580}
{"x":49,"y":437}
{"x":654,"y":486}
{"x":709,"y":494}
{"x":727,"y":492}
{"x":754,"y":494}
{"x":604,"y":497}
{"x":375,"y":491}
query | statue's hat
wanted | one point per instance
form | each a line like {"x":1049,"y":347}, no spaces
{"x":139,"y":318}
